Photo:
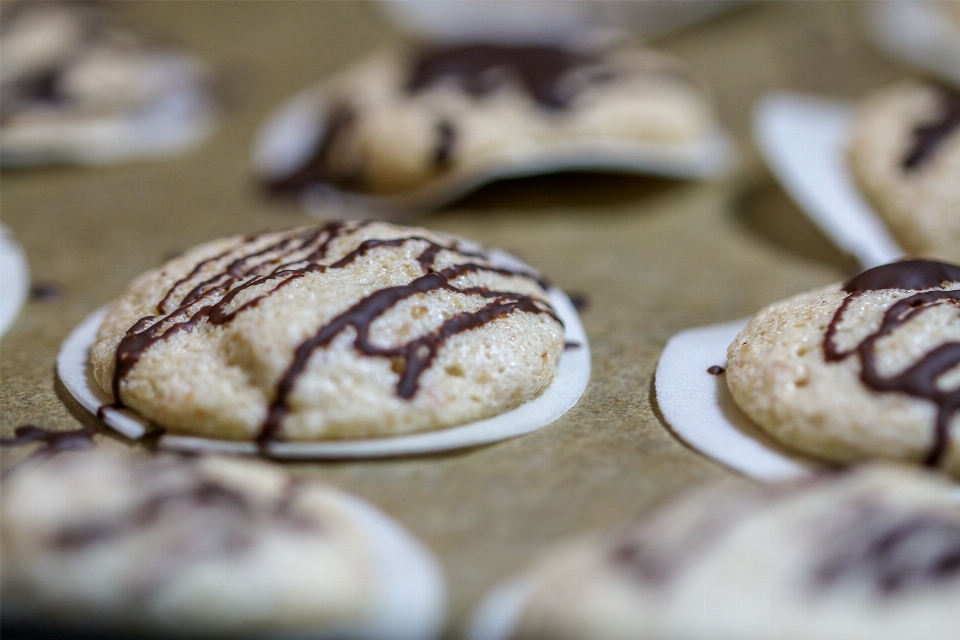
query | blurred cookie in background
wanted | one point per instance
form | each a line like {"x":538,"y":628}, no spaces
{"x":416,"y":126}
{"x":107,"y":541}
{"x":905,"y":155}
{"x":76,"y":88}
{"x":870,"y":553}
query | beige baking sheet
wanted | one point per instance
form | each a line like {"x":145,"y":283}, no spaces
{"x":654,"y":257}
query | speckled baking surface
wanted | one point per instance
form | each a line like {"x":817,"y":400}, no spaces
{"x":653,"y":257}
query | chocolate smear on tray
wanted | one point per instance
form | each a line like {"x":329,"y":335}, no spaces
{"x":920,"y":379}
{"x":208,"y":292}
{"x":928,"y":137}
{"x":54,"y":441}
{"x":481,"y":69}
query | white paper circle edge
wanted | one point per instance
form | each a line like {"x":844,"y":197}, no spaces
{"x":499,"y":612}
{"x":179,"y":120}
{"x":804,"y":141}
{"x":14,"y":279}
{"x":533,"y":21}
{"x":922,"y":34}
{"x":290,"y":133}
{"x":571,"y":381}
{"x":700,"y":410}
{"x":410,"y":597}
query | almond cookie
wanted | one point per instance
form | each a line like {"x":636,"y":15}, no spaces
{"x":905,"y":155}
{"x":868,"y":554}
{"x":405,"y":120}
{"x":868,"y":369}
{"x":348,"y":330}
{"x":76,"y":88}
{"x":110,"y":540}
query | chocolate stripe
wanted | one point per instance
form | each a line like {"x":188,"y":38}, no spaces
{"x":920,"y":379}
{"x":930,"y":136}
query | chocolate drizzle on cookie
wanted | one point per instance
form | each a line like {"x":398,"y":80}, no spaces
{"x":319,"y":169}
{"x":481,"y":69}
{"x":193,"y":515}
{"x":446,"y":140}
{"x":211,"y":292}
{"x":895,"y":552}
{"x":928,"y":137}
{"x":920,"y":379}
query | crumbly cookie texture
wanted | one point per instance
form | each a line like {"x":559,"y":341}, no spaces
{"x":868,"y":554}
{"x":174,"y":544}
{"x":339,"y":331}
{"x":848,"y":376}
{"x":404,"y":118}
{"x":905,"y":155}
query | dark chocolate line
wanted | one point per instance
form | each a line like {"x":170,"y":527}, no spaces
{"x":55,"y":441}
{"x":480,"y":69}
{"x":318,"y":168}
{"x":879,"y":544}
{"x":446,"y":139}
{"x":928,"y":137}
{"x":920,"y":379}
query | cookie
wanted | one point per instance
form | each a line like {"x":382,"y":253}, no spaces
{"x":76,"y":88}
{"x":867,"y":369}
{"x":905,"y":154}
{"x":437,"y":120}
{"x":342,"y":331}
{"x":203,"y":546}
{"x":869,"y":554}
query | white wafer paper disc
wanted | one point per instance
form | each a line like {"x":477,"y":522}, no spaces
{"x":181,"y":118}
{"x":73,"y":367}
{"x":804,"y":141}
{"x":289,"y":136}
{"x":700,"y":410}
{"x":14,"y":279}
{"x":497,"y":616}
{"x":409,"y":600}
{"x":535,"y":22}
{"x":920,"y":33}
